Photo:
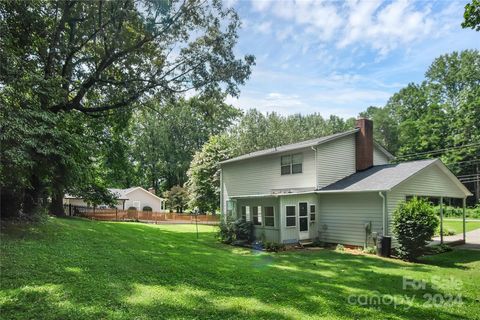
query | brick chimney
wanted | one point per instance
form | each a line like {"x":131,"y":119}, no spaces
{"x":364,"y":144}
{"x":151,"y":190}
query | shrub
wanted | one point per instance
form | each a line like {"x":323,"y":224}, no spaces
{"x":340,"y":247}
{"x":147,"y":208}
{"x":239,"y":230}
{"x":132,"y":209}
{"x":274,"y":247}
{"x":226,"y":232}
{"x":370,"y":250}
{"x":414,"y":224}
{"x":243,"y":230}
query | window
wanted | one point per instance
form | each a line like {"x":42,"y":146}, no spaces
{"x":230,"y":207}
{"x":244,"y":213}
{"x":291,"y":217}
{"x":269,"y":217}
{"x":312,"y":212}
{"x":257,"y":215}
{"x":291,"y":164}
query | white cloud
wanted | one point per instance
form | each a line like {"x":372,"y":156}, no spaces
{"x":261,"y":5}
{"x":376,"y":24}
{"x":264,"y":27}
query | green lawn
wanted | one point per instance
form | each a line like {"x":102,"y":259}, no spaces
{"x":77,"y":269}
{"x":457,"y":226}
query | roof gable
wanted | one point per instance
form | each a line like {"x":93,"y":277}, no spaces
{"x":291,"y":147}
{"x":378,"y":178}
{"x":389,"y":176}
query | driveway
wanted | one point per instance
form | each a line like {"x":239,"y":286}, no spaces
{"x":472,"y":240}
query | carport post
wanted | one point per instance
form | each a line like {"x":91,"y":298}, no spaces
{"x":441,"y":220}
{"x":464,"y":203}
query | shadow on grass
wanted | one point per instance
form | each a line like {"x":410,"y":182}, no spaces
{"x":457,"y":258}
{"x":122,"y":270}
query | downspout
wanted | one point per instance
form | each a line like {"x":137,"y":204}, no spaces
{"x":383,"y":211}
{"x":316,"y":168}
{"x":222,"y":209}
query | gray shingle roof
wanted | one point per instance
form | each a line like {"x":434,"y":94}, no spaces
{"x":293,"y":146}
{"x":378,"y":178}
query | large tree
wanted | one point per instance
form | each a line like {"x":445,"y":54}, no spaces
{"x":63,"y":62}
{"x":168,"y":135}
{"x":438,"y":118}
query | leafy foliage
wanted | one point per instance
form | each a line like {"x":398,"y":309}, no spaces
{"x":72,"y":71}
{"x":235,"y":230}
{"x":472,"y":15}
{"x":274,"y":247}
{"x":204,"y":173}
{"x":440,"y":114}
{"x":168,"y":135}
{"x":177,"y":198}
{"x":414,"y":224}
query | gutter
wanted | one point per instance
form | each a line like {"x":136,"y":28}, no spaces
{"x":384,"y":204}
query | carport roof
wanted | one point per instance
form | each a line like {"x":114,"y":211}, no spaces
{"x":382,"y":177}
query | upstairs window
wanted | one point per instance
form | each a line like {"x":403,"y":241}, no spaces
{"x":291,"y":164}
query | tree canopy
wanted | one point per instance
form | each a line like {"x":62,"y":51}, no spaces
{"x":69,"y":70}
{"x":472,"y":15}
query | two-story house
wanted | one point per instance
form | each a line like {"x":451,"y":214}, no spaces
{"x":328,"y":188}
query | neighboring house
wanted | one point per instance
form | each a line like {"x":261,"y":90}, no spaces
{"x":132,"y":197}
{"x":328,"y":188}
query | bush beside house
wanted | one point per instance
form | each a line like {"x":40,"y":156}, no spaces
{"x":414,"y":224}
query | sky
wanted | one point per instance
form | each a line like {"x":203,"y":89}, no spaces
{"x":339,"y":58}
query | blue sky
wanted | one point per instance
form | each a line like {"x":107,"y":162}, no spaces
{"x":341,"y":57}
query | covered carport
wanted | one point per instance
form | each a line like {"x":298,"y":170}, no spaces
{"x":396,"y":183}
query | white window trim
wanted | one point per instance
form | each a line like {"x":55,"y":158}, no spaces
{"x":274,"y":220}
{"x":259,"y":216}
{"x":291,"y":163}
{"x":296,"y":217}
{"x":308,"y":215}
{"x":310,"y":212}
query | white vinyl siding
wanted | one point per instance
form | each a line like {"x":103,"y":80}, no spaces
{"x":335,"y":160}
{"x":379,"y":157}
{"x":343,"y":217}
{"x":431,"y":181}
{"x":289,"y":234}
{"x":262,"y":175}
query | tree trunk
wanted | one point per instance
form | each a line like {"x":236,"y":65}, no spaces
{"x":56,"y":206}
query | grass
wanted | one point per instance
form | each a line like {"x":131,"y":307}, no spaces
{"x":78,"y":269}
{"x":457,"y":226}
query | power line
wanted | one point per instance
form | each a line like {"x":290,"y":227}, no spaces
{"x":470,"y":181}
{"x":439,"y":150}
{"x":468,"y":175}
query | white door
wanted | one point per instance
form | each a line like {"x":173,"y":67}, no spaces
{"x":303,"y":221}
